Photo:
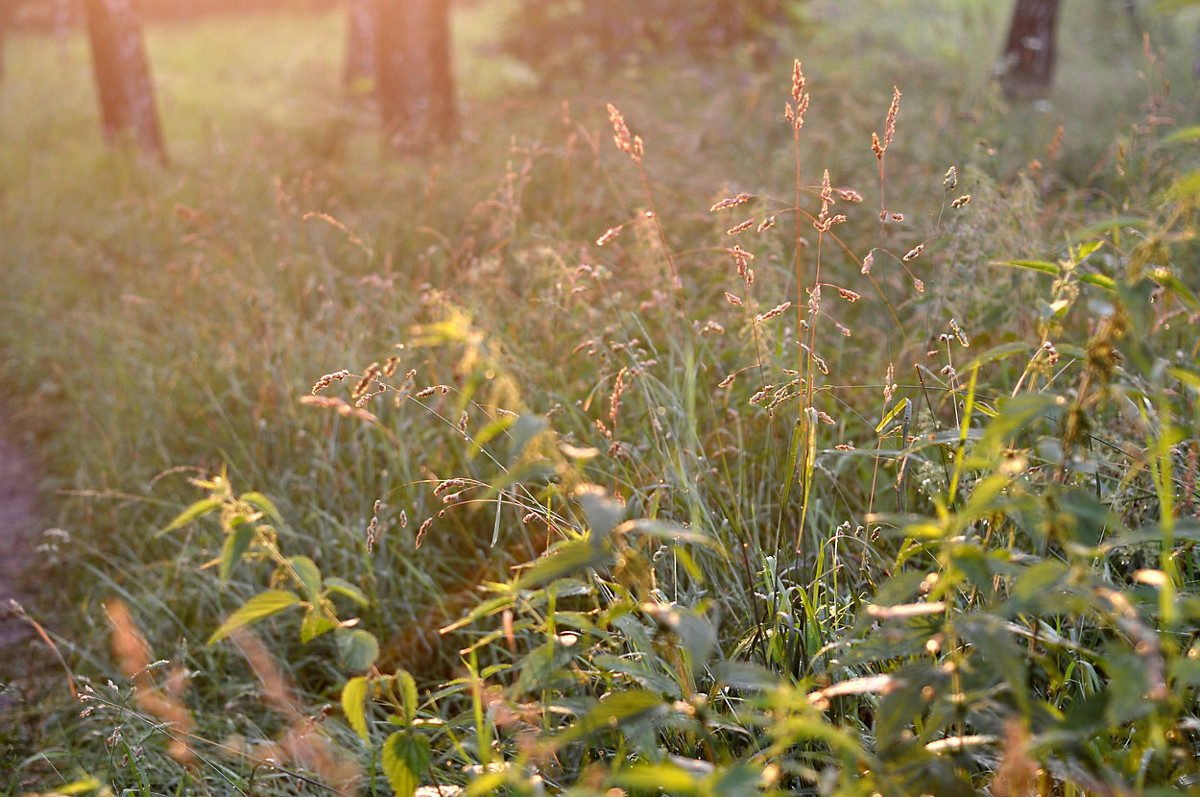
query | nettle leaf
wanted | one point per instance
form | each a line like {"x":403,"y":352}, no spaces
{"x":405,"y":755}
{"x":523,"y":430}
{"x":667,"y":776}
{"x":566,"y":558}
{"x":615,"y":709}
{"x":603,"y":512}
{"x":264,"y":505}
{"x":236,"y":545}
{"x":343,"y":587}
{"x":354,"y":705}
{"x":197,"y":510}
{"x":408,"y":694}
{"x":358,"y":648}
{"x":260,"y":607}
{"x":316,"y":622}
{"x":308,"y":573}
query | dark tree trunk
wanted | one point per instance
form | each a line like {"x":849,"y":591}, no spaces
{"x":414,"y":74}
{"x":123,"y":75}
{"x":1029,"y":52}
{"x":361,"y":38}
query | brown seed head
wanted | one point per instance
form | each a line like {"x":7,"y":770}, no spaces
{"x":889,"y":129}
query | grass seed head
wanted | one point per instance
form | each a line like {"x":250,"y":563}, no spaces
{"x":628,"y":144}
{"x":950,"y":181}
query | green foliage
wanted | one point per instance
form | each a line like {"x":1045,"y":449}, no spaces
{"x":852,"y":508}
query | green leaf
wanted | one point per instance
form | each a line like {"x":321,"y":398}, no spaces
{"x":1188,"y":133}
{"x":316,"y":622}
{"x":643,"y":673}
{"x":358,"y":648}
{"x":1172,"y":283}
{"x":236,"y":544}
{"x":264,"y":505}
{"x":408,"y":695}
{"x":354,"y":705}
{"x":900,"y":405}
{"x":1033,"y":265}
{"x":998,"y":353}
{"x":612,"y":711}
{"x":670,"y":778}
{"x":193,"y":512}
{"x":603,"y":512}
{"x":343,"y":587}
{"x":568,"y":558}
{"x":306,"y":570}
{"x":523,"y":430}
{"x":1186,"y":187}
{"x":86,"y":784}
{"x":1053,"y":269}
{"x":405,"y":755}
{"x":1107,"y":225}
{"x":489,"y":432}
{"x":261,"y":606}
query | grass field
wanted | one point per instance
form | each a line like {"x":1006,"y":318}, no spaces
{"x":842,"y":508}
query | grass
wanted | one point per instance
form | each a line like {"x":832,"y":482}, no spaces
{"x":957,"y":555}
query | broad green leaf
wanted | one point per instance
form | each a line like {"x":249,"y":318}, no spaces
{"x":80,"y":786}
{"x":1053,"y":269}
{"x":1013,"y":415}
{"x":196,"y":510}
{"x":641,"y":672}
{"x":602,"y":511}
{"x":490,"y":431}
{"x":666,"y":531}
{"x":405,"y":756}
{"x":316,"y":622}
{"x":487,"y":783}
{"x":568,"y":558}
{"x":1188,"y":133}
{"x":343,"y":587}
{"x":998,"y":353}
{"x":261,"y":606}
{"x":1172,"y":283}
{"x":735,"y":781}
{"x":306,"y":570}
{"x":1107,"y":225}
{"x":354,"y":705}
{"x":264,"y":505}
{"x":1186,"y":187}
{"x":522,"y":431}
{"x":358,"y":648}
{"x":236,"y":544}
{"x":1033,"y":265}
{"x":1189,"y":378}
{"x":670,"y":778}
{"x":613,"y":710}
{"x":408,"y":695}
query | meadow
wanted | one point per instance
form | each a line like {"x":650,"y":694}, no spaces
{"x":647,"y":439}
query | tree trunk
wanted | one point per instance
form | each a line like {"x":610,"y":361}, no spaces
{"x":1029,"y":52}
{"x":415,"y":78}
{"x":123,"y":75}
{"x":361,"y":39}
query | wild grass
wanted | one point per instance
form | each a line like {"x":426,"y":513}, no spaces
{"x":575,"y":511}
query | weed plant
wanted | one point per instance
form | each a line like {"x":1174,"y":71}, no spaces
{"x":870,"y":475}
